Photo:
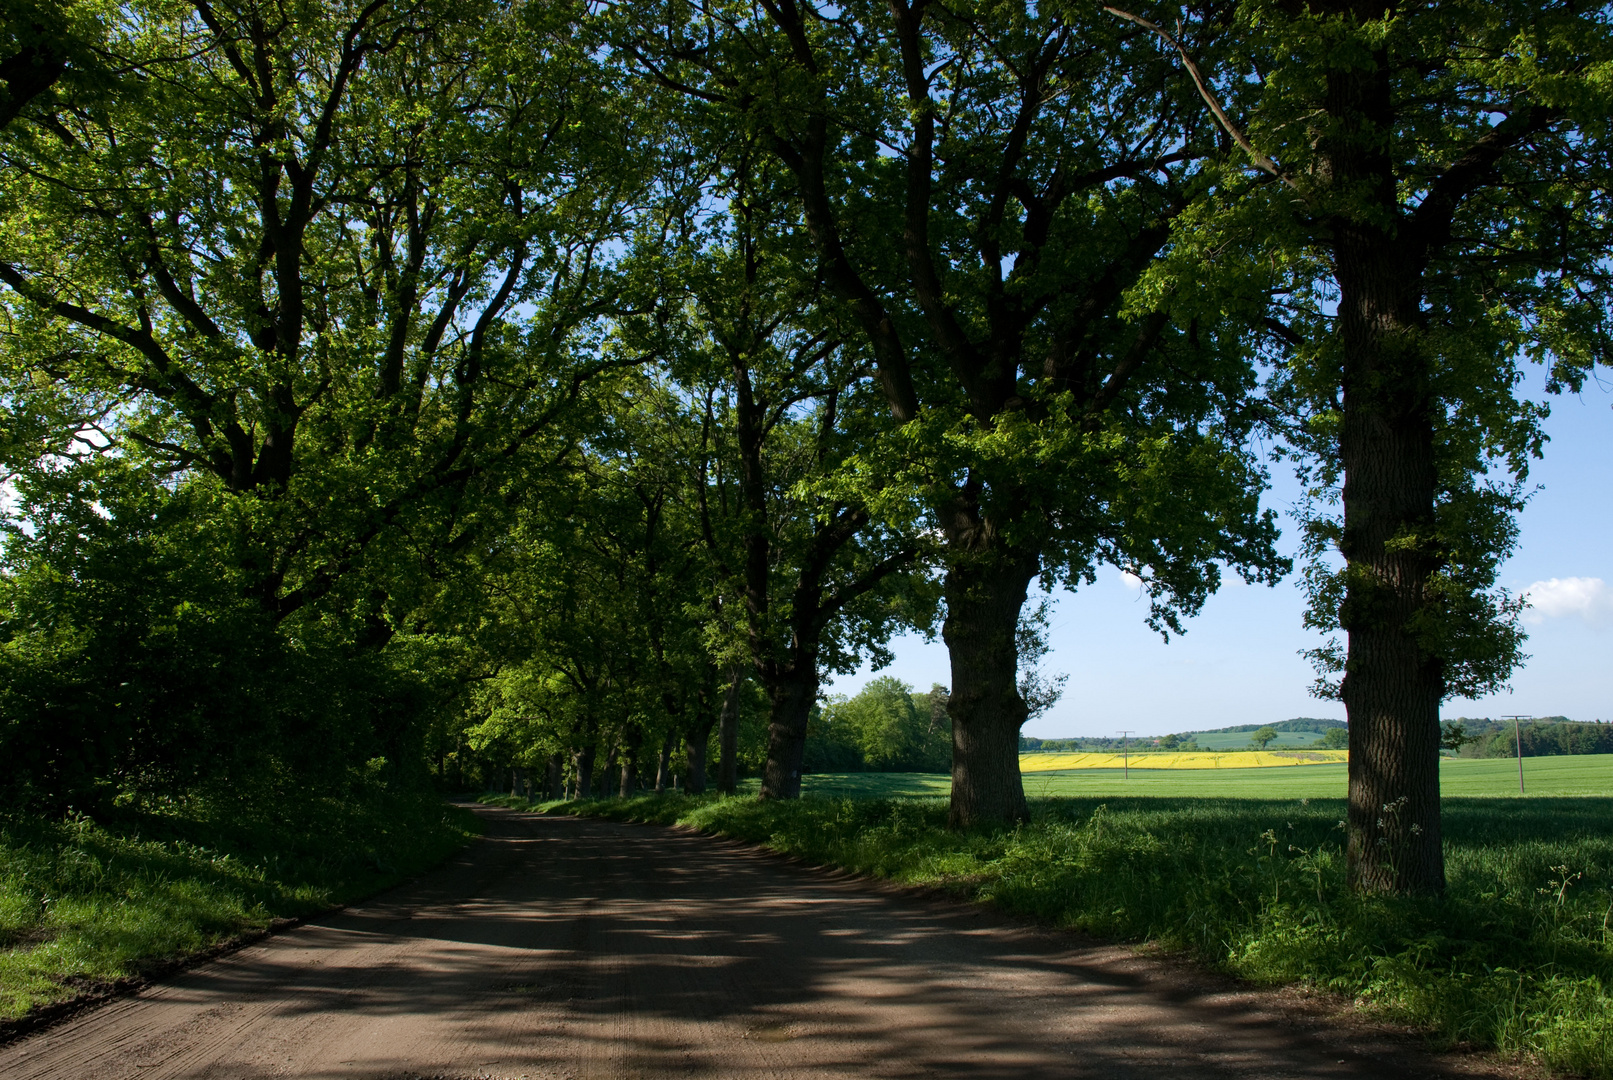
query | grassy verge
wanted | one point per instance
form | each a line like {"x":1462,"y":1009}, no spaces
{"x":1518,"y":955}
{"x":85,"y":903}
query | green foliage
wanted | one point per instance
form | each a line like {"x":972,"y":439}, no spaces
{"x":1519,"y":955}
{"x":1335,"y":739}
{"x":1263,"y":736}
{"x":1543,"y":737}
{"x":270,"y":362}
{"x":86,"y":901}
{"x":134,"y":662}
{"x":885,"y":728}
{"x":1494,"y":236}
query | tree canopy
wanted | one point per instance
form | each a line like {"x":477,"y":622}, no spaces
{"x":553,"y":395}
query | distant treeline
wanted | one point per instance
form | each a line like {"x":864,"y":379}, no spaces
{"x":1545,"y":736}
{"x":1299,"y":723}
{"x":1028,"y":744}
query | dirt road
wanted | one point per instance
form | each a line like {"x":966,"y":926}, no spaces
{"x":561,"y":948}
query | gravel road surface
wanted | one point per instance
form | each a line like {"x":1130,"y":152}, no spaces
{"x":574,"y":949}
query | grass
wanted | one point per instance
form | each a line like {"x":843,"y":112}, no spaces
{"x":1518,"y":955}
{"x":1586,"y":774}
{"x":86,"y":903}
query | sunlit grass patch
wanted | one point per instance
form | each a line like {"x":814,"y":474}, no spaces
{"x":85,"y":903}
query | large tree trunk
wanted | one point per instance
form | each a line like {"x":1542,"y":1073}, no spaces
{"x":728,"y":735}
{"x":793,"y":695}
{"x":695,"y":749}
{"x":583,"y":761}
{"x":554,"y":778}
{"x":663,"y":771}
{"x":1392,"y":685}
{"x":985,"y":591}
{"x":632,"y":742}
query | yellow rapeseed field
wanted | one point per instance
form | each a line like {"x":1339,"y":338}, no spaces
{"x":1203,"y":759}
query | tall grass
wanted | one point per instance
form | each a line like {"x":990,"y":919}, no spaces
{"x":85,"y":903}
{"x":1517,"y":955}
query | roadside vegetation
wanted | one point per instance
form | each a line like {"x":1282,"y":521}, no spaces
{"x":85,"y":903}
{"x":506,"y":396}
{"x":1518,"y":955}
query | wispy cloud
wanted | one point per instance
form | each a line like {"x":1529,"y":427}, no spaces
{"x":1556,"y":598}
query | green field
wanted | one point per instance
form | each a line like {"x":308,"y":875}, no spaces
{"x":1587,"y":774}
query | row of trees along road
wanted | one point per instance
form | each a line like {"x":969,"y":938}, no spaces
{"x":576,"y":385}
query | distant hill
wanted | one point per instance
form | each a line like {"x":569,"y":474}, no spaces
{"x":1541,"y":736}
{"x":1299,"y":723}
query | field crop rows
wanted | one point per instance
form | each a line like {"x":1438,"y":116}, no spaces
{"x":1587,"y":774}
{"x":1237,"y":759}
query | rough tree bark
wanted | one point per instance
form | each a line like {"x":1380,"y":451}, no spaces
{"x":985,"y":591}
{"x":793,"y":694}
{"x":663,"y":768}
{"x":582,"y":761}
{"x":695,"y":751}
{"x":1392,"y":685}
{"x":553,"y":786}
{"x":728,"y":734}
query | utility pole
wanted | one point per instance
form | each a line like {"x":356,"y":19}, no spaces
{"x":1517,"y":736}
{"x":1125,"y":757}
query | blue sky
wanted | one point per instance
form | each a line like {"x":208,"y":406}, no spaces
{"x":1239,"y":662}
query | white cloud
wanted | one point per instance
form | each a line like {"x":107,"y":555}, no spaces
{"x":1131,"y":581}
{"x":1588,"y":597}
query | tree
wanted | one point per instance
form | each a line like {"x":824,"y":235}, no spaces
{"x":1453,"y":736}
{"x":306,"y":299}
{"x":591,"y":611}
{"x":884,"y":728}
{"x":1432,"y":179}
{"x":54,"y":52}
{"x":318,"y":290}
{"x":1335,"y":739}
{"x":984,"y":189}
{"x":1263,"y":737}
{"x":816,"y":561}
